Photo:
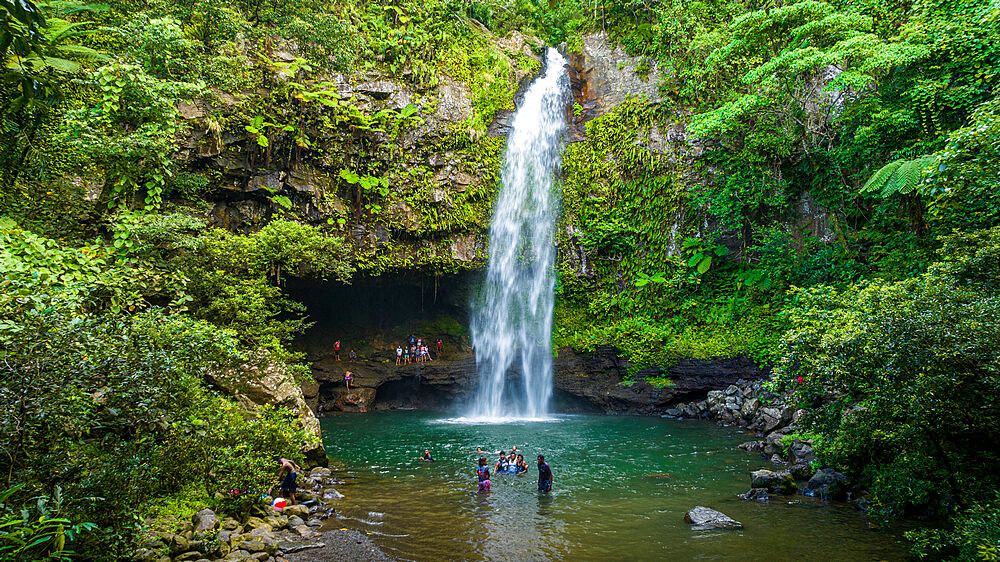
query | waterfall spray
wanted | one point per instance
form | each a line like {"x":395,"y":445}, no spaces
{"x":513,"y":318}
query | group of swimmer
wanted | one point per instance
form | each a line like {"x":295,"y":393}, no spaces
{"x":512,"y":464}
{"x":506,"y":464}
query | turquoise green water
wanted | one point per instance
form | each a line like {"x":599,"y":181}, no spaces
{"x":621,"y":488}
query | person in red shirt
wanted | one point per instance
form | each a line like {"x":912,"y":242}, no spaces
{"x":336,"y":350}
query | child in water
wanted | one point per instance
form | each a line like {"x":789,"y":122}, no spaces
{"x":484,"y":475}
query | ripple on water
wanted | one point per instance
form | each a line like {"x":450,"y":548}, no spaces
{"x":622,"y":486}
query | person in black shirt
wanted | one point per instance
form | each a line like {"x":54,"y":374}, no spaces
{"x":544,"y":475}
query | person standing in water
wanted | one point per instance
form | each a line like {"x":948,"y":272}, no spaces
{"x":427,"y":456}
{"x":484,"y":475}
{"x":544,"y":475}
{"x":501,"y":464}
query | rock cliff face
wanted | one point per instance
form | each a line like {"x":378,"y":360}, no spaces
{"x":271,"y":384}
{"x":583,"y":383}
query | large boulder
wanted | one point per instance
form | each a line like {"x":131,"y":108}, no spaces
{"x":702,"y":517}
{"x":204,"y":520}
{"x":774,"y":482}
{"x":827,"y":483}
{"x":261,"y":383}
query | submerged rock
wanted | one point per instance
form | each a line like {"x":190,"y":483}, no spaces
{"x":706,"y":518}
{"x":755,"y":494}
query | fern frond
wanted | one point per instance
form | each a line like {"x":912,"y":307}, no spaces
{"x":81,"y":52}
{"x":879,"y":178}
{"x":901,"y":176}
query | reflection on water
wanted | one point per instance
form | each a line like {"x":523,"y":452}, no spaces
{"x":621,"y":488}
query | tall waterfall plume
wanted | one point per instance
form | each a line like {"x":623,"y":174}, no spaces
{"x":512,"y":320}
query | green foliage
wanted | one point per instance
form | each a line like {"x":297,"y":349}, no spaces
{"x":901,"y":378}
{"x":975,"y":535}
{"x":36,"y":531}
{"x":901,"y":176}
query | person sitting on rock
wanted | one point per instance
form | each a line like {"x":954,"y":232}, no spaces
{"x":352,"y":355}
{"x":289,"y":470}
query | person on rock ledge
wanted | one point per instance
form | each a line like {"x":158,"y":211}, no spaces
{"x":336,"y":350}
{"x":348,"y":377}
{"x":352,"y":355}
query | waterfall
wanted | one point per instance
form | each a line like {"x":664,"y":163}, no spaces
{"x":512,"y":320}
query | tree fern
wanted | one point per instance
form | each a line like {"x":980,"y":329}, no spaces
{"x":901,"y":176}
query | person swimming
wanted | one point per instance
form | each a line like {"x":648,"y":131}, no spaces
{"x":512,"y":463}
{"x":484,"y":475}
{"x":522,"y":467}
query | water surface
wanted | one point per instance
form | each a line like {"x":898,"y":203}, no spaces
{"x":621,"y":488}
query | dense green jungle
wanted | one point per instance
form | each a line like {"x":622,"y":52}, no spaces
{"x":813,"y":184}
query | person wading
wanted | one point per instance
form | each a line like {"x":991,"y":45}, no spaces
{"x":544,"y":475}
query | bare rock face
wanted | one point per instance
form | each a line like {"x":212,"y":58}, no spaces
{"x":613,"y":72}
{"x":703,"y":518}
{"x":267,"y":383}
{"x":455,"y":104}
{"x":583,"y":382}
{"x":595,"y":379}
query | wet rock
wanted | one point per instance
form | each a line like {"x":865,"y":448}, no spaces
{"x":801,"y":471}
{"x":703,"y":518}
{"x":270,"y":182}
{"x":774,"y":482}
{"x":801,"y":452}
{"x":827,"y":483}
{"x":752,"y":446}
{"x":756,"y":494}
{"x":776,"y":459}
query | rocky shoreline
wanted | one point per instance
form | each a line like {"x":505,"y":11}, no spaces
{"x":294,"y":534}
{"x":797,"y":468}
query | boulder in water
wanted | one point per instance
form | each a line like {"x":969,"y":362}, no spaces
{"x":828,"y":484}
{"x":774,"y":482}
{"x":702,"y":518}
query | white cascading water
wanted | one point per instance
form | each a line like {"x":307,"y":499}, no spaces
{"x":513,"y":318}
